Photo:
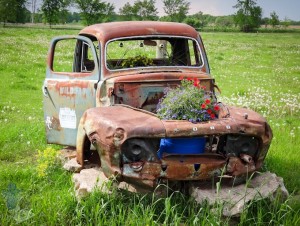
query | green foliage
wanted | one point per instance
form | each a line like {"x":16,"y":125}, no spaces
{"x":248,"y":16}
{"x":13,"y":11}
{"x":224,"y":21}
{"x":193,"y":103}
{"x":286,"y":22}
{"x":145,"y":9}
{"x":46,"y":159}
{"x":192,"y":21}
{"x":176,"y":10}
{"x":51,"y":9}
{"x":140,"y":10}
{"x":274,"y":19}
{"x":95,"y":11}
{"x":127,"y":11}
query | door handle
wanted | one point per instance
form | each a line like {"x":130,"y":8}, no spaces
{"x":45,"y":91}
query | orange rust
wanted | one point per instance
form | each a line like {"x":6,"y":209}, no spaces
{"x":108,"y":31}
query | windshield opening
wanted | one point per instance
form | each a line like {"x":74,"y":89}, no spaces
{"x":153,"y":52}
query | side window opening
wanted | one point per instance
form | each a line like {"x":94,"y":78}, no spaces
{"x":87,"y":61}
{"x":64,"y":56}
{"x":72,"y":55}
{"x":195,"y":57}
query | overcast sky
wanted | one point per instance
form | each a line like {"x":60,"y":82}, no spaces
{"x":283,"y":8}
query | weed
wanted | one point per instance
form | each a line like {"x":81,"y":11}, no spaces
{"x":46,"y":159}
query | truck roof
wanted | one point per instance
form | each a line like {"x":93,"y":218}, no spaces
{"x":107,"y":31}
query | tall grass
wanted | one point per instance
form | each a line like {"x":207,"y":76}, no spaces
{"x":260,"y":71}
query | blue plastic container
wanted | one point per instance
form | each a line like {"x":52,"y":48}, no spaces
{"x":195,"y":145}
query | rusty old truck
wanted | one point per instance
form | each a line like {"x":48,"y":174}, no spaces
{"x":101,"y":92}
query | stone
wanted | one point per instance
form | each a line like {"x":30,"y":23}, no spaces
{"x":89,"y":179}
{"x":235,"y":198}
{"x":72,"y":165}
{"x":67,"y":153}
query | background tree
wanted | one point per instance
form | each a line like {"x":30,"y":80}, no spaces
{"x":192,"y":21}
{"x":145,"y":9}
{"x":287,"y":22}
{"x":64,"y":11}
{"x":265,"y":21}
{"x":176,"y":10}
{"x":127,"y":11}
{"x":224,"y":21}
{"x":248,"y":16}
{"x":13,"y":11}
{"x":274,"y":19}
{"x":95,"y":11}
{"x":204,"y":19}
{"x":33,"y":9}
{"x":51,"y":9}
{"x":140,"y":10}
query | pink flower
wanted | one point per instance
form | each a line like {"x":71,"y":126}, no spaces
{"x":203,"y":106}
{"x":207,"y":101}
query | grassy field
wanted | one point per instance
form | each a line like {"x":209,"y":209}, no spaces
{"x":259,"y":71}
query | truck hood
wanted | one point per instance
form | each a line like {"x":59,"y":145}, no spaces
{"x":120,"y":122}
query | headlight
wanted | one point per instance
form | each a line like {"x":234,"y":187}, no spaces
{"x":237,"y":145}
{"x":138,"y":149}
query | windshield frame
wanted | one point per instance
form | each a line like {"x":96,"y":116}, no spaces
{"x":155,"y":37}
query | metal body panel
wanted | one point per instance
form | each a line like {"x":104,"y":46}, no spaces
{"x":66,"y":96}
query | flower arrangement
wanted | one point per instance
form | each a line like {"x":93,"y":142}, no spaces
{"x":190,"y":101}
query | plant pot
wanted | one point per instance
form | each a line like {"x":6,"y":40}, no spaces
{"x":195,"y":145}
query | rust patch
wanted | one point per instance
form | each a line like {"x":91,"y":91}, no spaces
{"x":237,"y":167}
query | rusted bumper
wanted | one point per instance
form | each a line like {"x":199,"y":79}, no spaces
{"x":175,"y":167}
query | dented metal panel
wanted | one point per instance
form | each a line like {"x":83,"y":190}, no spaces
{"x":66,"y":96}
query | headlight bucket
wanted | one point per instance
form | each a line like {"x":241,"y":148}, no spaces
{"x":139,"y":149}
{"x":239,"y":144}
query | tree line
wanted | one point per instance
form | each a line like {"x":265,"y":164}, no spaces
{"x":248,"y":16}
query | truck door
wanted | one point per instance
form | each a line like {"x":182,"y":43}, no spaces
{"x":69,"y":87}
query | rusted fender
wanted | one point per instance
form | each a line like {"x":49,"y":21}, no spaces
{"x":111,"y":126}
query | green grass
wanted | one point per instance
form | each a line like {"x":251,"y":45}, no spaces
{"x":260,"y":71}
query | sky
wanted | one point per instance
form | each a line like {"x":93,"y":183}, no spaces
{"x":289,"y":9}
